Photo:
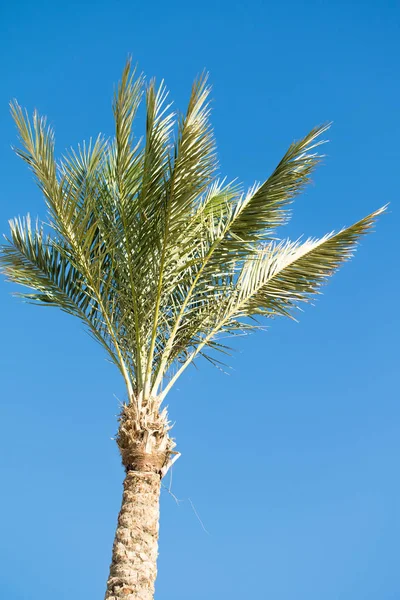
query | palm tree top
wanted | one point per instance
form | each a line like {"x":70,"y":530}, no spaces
{"x":154,"y":253}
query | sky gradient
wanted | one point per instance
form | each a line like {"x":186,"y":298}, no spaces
{"x":291,"y":462}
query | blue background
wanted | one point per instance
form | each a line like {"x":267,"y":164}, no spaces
{"x":292,"y":461}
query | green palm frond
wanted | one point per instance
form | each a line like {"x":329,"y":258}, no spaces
{"x":274,"y":282}
{"x":287,"y":273}
{"x":32,"y":259}
{"x":265,"y":207}
{"x":195,"y":160}
{"x":37,"y":139}
{"x":156,"y":255}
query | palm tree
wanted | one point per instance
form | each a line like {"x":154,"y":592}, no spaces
{"x":158,"y":258}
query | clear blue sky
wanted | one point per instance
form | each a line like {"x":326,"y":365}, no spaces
{"x":291,"y":462}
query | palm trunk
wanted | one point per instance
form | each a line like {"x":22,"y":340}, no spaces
{"x":146,"y":450}
{"x":133,"y":568}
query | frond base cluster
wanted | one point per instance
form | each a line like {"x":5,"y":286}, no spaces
{"x":144,"y":441}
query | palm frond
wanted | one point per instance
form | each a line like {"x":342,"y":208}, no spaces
{"x":195,"y":160}
{"x":281,"y":276}
{"x":37,"y":151}
{"x":287,"y":273}
{"x":265,"y":207}
{"x":30,"y":258}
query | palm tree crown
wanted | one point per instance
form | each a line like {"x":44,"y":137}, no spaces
{"x":154,"y":253}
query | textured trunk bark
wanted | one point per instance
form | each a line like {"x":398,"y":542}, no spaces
{"x":133,"y":568}
{"x":147,"y":453}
